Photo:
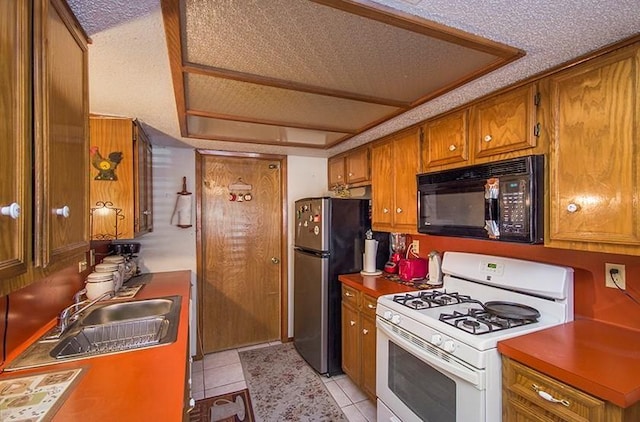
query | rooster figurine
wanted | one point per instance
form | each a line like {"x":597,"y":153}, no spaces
{"x":105,"y":166}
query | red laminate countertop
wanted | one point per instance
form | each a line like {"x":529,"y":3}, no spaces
{"x":374,"y":286}
{"x":138,"y":385}
{"x":597,"y":358}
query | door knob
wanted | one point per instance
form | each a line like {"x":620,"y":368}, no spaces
{"x":275,"y":260}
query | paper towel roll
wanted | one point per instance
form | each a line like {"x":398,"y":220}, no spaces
{"x":370,"y":253}
{"x":183,"y":211}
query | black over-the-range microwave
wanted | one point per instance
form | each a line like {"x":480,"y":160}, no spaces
{"x":502,"y":200}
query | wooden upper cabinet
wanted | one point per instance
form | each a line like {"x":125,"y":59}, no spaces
{"x":445,"y":140}
{"x":504,"y":124}
{"x":61,"y":132}
{"x":15,"y":137}
{"x":336,"y":171}
{"x":143,"y":218}
{"x":594,"y":158}
{"x":357,"y":166}
{"x":351,"y":168}
{"x":120,"y":157}
{"x":395,"y":163}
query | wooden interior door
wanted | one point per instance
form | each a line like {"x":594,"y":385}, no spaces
{"x":241,"y":251}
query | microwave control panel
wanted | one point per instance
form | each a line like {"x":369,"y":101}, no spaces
{"x":514,"y":196}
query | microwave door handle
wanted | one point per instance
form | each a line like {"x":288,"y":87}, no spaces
{"x":491,"y":205}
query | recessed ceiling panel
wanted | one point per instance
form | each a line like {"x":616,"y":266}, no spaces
{"x":265,"y":103}
{"x":318,"y":45}
{"x":209,"y":128}
{"x":310,"y":72}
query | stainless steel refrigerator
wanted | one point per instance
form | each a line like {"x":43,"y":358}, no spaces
{"x":329,"y":241}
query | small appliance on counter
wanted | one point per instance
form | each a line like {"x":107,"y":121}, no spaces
{"x":435,"y":270}
{"x":398,"y":245}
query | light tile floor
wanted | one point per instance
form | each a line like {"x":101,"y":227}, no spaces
{"x":221,"y":373}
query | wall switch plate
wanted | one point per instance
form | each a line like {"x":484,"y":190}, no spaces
{"x":415,"y":246}
{"x":618,"y":275}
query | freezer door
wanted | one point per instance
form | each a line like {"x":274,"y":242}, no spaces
{"x":312,"y":222}
{"x":310,"y":308}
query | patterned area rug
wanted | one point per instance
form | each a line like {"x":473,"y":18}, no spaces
{"x":285,"y":388}
{"x":232,"y":407}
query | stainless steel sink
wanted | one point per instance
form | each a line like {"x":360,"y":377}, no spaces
{"x":124,"y":311}
{"x":106,"y":329}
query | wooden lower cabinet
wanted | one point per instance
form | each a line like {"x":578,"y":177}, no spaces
{"x":523,"y":389}
{"x":359,"y":339}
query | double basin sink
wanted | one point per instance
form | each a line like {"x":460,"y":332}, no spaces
{"x":107,"y":328}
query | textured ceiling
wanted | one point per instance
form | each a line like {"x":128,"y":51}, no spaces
{"x":130,"y":75}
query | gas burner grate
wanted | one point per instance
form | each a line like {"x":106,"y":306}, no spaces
{"x":431,"y":299}
{"x":479,"y":321}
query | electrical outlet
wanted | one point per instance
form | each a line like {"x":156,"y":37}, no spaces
{"x":82,"y":265}
{"x":415,"y":246}
{"x":614,"y":272}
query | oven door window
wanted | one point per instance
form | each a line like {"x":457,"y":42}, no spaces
{"x":427,"y":392}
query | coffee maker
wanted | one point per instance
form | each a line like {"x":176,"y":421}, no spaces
{"x":398,"y":246}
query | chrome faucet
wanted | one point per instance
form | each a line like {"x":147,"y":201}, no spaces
{"x":71,"y":313}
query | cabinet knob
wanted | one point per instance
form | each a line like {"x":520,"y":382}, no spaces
{"x":275,"y":260}
{"x":339,"y":176}
{"x":347,"y":294}
{"x":365,"y":331}
{"x":352,"y":323}
{"x":64,"y":211}
{"x":452,"y":147}
{"x":12,"y":210}
{"x":370,"y":306}
{"x":385,"y":210}
{"x":488,"y":138}
{"x":572,"y":207}
{"x":398,"y":210}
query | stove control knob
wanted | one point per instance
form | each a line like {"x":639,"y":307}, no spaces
{"x":387,"y":315}
{"x":436,"y":339}
{"x":449,"y":346}
{"x":395,"y":319}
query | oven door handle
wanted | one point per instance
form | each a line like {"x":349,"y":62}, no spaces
{"x":473,"y":376}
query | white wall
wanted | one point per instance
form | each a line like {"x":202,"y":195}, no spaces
{"x":306,"y":177}
{"x":170,"y":248}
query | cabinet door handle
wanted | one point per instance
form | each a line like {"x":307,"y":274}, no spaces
{"x":488,"y":138}
{"x":352,"y":323}
{"x":339,"y":176}
{"x":12,"y":210}
{"x":64,"y":211}
{"x":398,"y":210}
{"x":347,"y":294}
{"x":385,"y":210}
{"x":365,"y":331}
{"x":452,"y":147}
{"x":350,"y":174}
{"x":370,"y":306}
{"x":549,"y":397}
{"x":275,"y":260}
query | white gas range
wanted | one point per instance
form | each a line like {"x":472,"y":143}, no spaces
{"x":436,"y":349}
